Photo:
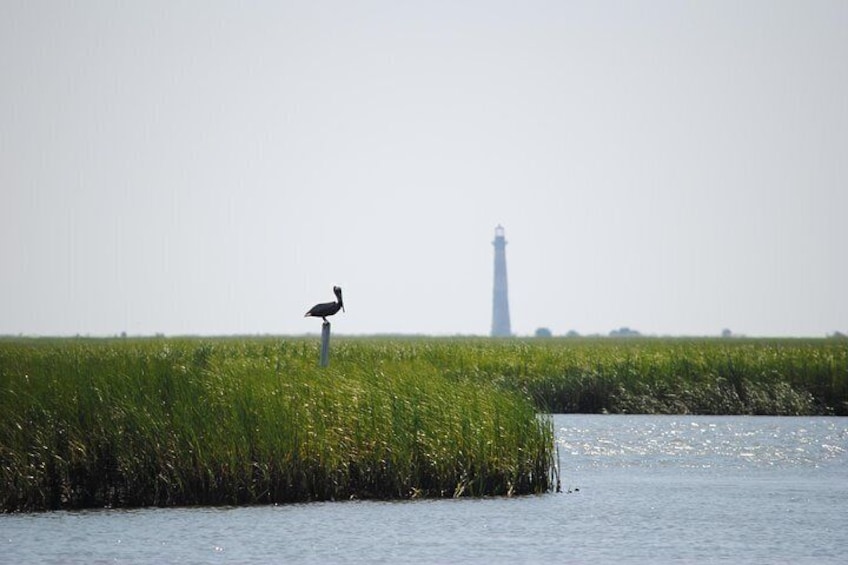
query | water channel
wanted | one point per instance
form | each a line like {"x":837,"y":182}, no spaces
{"x":637,"y":489}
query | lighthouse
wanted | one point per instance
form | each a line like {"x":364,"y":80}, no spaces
{"x":500,"y":299}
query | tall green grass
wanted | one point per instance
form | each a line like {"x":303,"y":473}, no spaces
{"x":674,"y":376}
{"x":92,"y":423}
{"x":648,"y":375}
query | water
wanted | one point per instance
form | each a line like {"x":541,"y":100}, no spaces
{"x":643,"y":489}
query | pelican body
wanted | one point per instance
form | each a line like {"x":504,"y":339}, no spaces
{"x":327,"y":308}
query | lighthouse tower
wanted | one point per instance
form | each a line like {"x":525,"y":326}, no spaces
{"x":500,"y":300}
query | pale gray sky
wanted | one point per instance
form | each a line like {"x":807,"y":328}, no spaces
{"x":213,"y":167}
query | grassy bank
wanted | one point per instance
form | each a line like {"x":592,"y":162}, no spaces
{"x":90,"y":423}
{"x":93,"y":423}
{"x":664,"y":376}
{"x":645,"y":375}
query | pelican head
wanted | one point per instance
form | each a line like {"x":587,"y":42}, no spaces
{"x":337,"y":290}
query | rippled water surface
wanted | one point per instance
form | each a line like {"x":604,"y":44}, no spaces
{"x":642,"y":489}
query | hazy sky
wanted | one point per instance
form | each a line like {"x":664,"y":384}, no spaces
{"x":205,"y":167}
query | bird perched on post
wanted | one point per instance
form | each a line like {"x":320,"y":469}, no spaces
{"x":327,"y":308}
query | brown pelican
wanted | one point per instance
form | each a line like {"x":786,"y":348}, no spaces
{"x":327,"y":308}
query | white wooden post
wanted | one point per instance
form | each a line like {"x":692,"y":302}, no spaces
{"x":325,"y":344}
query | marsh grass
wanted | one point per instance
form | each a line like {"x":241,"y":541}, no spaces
{"x":679,"y":376}
{"x":93,"y":423}
{"x":647,"y":375}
